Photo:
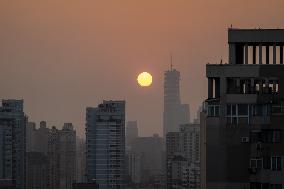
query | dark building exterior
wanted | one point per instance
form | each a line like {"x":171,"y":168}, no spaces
{"x":149,"y":152}
{"x":61,"y":156}
{"x":183,"y":158}
{"x":105,"y":143}
{"x":242,"y":122}
{"x":131,"y":133}
{"x":85,"y":186}
{"x":13,"y":144}
{"x":37,"y":170}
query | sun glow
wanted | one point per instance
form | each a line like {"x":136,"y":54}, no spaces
{"x":144,"y":79}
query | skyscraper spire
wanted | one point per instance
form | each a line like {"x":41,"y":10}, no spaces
{"x":171,"y":61}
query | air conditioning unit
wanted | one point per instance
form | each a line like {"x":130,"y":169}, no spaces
{"x":245,"y":139}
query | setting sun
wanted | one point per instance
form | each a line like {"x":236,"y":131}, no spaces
{"x":144,"y":79}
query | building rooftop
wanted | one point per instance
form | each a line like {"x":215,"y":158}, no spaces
{"x":266,"y":36}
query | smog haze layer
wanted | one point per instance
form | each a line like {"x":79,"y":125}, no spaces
{"x":62,"y":56}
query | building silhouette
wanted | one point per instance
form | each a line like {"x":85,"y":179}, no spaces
{"x":148,"y":150}
{"x":174,"y":113}
{"x":131,"y":132}
{"x":105,"y":141}
{"x":183,"y":157}
{"x":36,"y":170}
{"x":242,"y":122}
{"x":61,"y":157}
{"x":13,"y":144}
{"x":37,"y":138}
{"x":80,"y":160}
{"x":134,"y":167}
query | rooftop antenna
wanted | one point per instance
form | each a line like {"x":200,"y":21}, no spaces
{"x":171,"y":62}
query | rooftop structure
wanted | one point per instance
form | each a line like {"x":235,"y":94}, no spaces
{"x":241,"y":130}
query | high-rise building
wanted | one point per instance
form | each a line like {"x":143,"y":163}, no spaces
{"x":37,"y":138}
{"x":134,"y":167}
{"x":183,"y":157}
{"x":36,"y":154}
{"x":242,"y":123}
{"x":41,"y":138}
{"x":62,"y":157}
{"x":30,"y":137}
{"x":184,"y":114}
{"x":67,"y":156}
{"x":149,"y":151}
{"x":175,"y":113}
{"x":37,"y":170}
{"x":105,"y":141}
{"x":131,"y":132}
{"x":53,"y":159}
{"x":13,"y":143}
{"x":81,"y":160}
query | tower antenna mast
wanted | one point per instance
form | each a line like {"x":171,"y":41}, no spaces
{"x":171,"y":62}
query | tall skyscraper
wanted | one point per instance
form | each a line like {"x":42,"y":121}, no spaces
{"x":131,"y":132}
{"x":13,"y":143}
{"x":242,"y":123}
{"x":105,"y":140}
{"x":175,"y":113}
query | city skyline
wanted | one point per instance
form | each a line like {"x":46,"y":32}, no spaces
{"x":53,"y":52}
{"x":163,"y":94}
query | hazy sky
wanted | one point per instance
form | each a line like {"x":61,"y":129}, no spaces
{"x":61,"y":56}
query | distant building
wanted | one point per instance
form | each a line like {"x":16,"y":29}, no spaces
{"x":242,"y":122}
{"x":37,"y":138}
{"x":184,"y":114}
{"x":183,"y":157}
{"x":30,"y":136}
{"x":135,"y":167}
{"x":13,"y":144}
{"x":105,"y":141}
{"x":131,"y":132}
{"x":37,"y":170}
{"x":41,"y":138}
{"x":81,"y":160}
{"x":175,"y":113}
{"x":149,"y":151}
{"x":67,"y":156}
{"x":53,"y":159}
{"x":62,"y":157}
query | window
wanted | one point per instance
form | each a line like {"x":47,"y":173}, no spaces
{"x":214,"y":110}
{"x":256,"y":163}
{"x":238,"y":113}
{"x":276,"y":163}
{"x":266,"y":136}
{"x":243,"y":109}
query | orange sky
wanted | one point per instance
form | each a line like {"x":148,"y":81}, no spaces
{"x":64,"y":55}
